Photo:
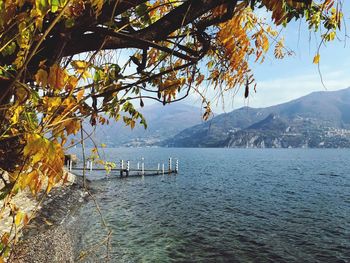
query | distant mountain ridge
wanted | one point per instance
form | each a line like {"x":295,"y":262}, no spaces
{"x":163,"y":122}
{"x":320,"y":119}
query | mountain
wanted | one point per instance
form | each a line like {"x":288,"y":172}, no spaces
{"x":163,"y":122}
{"x":320,"y":119}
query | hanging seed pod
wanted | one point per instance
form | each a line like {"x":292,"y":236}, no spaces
{"x":246,"y":92}
{"x":141,"y":103}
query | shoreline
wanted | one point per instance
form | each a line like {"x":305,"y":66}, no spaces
{"x":47,"y":237}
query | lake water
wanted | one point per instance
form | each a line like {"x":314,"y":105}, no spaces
{"x":225,"y":205}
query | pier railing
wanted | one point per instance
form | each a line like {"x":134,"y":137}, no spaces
{"x":125,"y":169}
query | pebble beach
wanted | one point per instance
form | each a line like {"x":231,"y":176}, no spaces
{"x":47,"y":238}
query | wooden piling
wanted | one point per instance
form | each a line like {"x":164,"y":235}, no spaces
{"x":177,"y":166}
{"x":121,"y":167}
{"x":170,"y":164}
{"x":143,"y":166}
{"x":127,"y":168}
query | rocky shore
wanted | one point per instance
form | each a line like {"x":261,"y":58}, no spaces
{"x":48,"y":238}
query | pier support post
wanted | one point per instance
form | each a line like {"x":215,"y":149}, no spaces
{"x":143,"y":166}
{"x":177,"y":166}
{"x":127,"y":168}
{"x":158,"y":168}
{"x":170,"y":165}
{"x":163,"y":169}
{"x":70,"y":165}
{"x":121,"y":167}
{"x":91,"y":163}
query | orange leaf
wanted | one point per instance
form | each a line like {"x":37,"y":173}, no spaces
{"x":57,"y":77}
{"x":80,"y":95}
{"x":41,"y":78}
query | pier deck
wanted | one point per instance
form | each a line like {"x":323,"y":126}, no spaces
{"x":126,"y":171}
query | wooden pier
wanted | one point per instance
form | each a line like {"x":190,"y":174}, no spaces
{"x":124,"y":170}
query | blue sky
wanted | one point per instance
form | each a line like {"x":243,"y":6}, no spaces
{"x":280,"y":81}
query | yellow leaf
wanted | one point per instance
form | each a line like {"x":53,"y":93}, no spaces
{"x":316,"y":59}
{"x":42,"y":7}
{"x":81,"y":67}
{"x":97,"y":4}
{"x":266,"y":44}
{"x":35,"y":144}
{"x":27,"y":178}
{"x":49,"y":187}
{"x":52,"y":103}
{"x":38,"y":157}
{"x":30,"y":138}
{"x":16,"y":114}
{"x":18,"y":218}
{"x":79,"y":64}
{"x":331,"y":36}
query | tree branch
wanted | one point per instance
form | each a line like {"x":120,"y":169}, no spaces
{"x":180,"y":16}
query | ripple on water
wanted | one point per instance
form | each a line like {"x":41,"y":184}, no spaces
{"x":228,"y":206}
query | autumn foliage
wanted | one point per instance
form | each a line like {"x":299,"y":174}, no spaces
{"x":64,"y":61}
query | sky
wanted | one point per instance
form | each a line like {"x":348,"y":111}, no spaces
{"x":279,"y":81}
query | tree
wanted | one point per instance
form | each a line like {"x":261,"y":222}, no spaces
{"x":62,"y":61}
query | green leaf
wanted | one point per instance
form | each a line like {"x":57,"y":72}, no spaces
{"x":55,"y":4}
{"x":98,"y":74}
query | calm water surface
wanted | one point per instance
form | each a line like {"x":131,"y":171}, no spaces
{"x":226,"y":205}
